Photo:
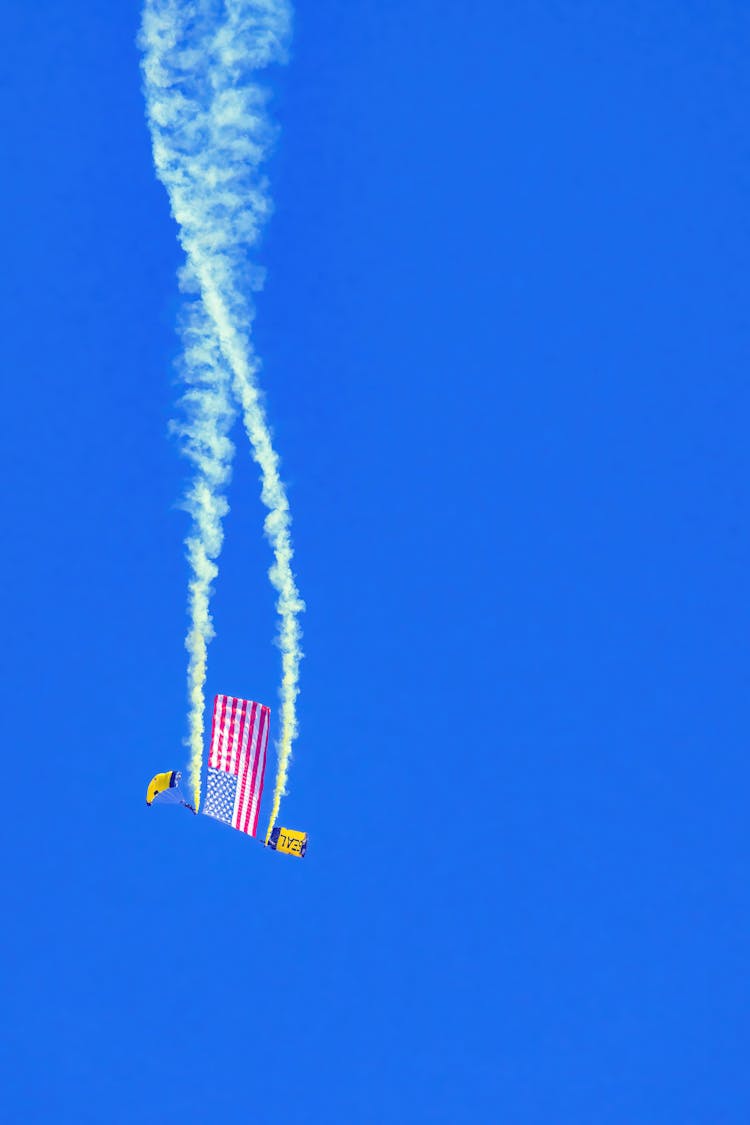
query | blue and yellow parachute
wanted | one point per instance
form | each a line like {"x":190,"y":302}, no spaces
{"x":165,"y":788}
{"x":289,"y":841}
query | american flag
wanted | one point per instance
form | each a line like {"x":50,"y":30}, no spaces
{"x":237,"y":762}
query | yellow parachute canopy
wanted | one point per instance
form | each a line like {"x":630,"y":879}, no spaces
{"x":160,"y":783}
{"x":286,"y":840}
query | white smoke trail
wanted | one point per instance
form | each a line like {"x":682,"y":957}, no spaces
{"x":211,"y":132}
{"x":208,"y":413}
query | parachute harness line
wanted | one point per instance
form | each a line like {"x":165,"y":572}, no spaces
{"x":211,"y":132}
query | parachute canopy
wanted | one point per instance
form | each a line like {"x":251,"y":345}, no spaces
{"x":161,"y":783}
{"x":286,"y":840}
{"x":237,"y":762}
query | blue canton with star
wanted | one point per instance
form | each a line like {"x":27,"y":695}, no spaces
{"x":220,"y":792}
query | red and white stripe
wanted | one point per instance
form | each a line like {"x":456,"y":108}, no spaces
{"x":239,"y":739}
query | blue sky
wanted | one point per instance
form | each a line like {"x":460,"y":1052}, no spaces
{"x":505,"y":337}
